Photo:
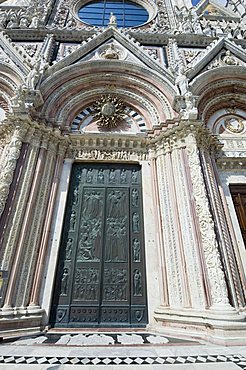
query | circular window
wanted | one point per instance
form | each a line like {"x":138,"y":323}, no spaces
{"x":128,"y":13}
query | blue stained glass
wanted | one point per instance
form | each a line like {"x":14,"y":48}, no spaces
{"x":128,"y":14}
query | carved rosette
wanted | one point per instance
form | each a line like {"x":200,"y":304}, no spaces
{"x":218,"y":289}
{"x":109,"y":111}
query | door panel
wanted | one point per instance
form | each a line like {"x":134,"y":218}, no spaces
{"x":101,"y":270}
{"x":238,"y":193}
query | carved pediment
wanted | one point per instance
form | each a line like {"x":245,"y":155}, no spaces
{"x":110,"y":45}
{"x":14,"y":55}
{"x":213,"y":9}
{"x":220,"y":53}
{"x":15,"y":3}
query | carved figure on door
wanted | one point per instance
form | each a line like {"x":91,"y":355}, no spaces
{"x":69,"y":248}
{"x":123,"y":176}
{"x":89,"y":176}
{"x":92,"y":204}
{"x":134,"y":177}
{"x":112,"y":176}
{"x":117,"y":203}
{"x":116,"y":240}
{"x":100,"y":177}
{"x":91,"y":291}
{"x":135,"y":198}
{"x":137,"y":283}
{"x":136,"y":250}
{"x":135,"y":223}
{"x":85,"y":248}
{"x":64,"y":281}
{"x":72,"y":221}
{"x":75,"y":196}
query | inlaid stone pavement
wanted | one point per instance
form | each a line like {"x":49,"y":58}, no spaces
{"x":58,"y":351}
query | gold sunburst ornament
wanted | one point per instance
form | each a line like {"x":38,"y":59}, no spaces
{"x":109,"y":111}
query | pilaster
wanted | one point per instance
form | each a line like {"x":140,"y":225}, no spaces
{"x":218,"y":288}
{"x":197,"y":285}
{"x":22,"y":243}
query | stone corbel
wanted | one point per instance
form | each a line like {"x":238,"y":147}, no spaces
{"x":186,"y":106}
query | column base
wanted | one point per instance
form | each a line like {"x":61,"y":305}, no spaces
{"x":224,"y":327}
{"x":17,"y":321}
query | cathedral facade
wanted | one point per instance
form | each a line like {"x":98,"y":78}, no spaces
{"x":123,"y":166}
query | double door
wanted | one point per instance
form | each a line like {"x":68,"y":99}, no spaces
{"x":101,"y":269}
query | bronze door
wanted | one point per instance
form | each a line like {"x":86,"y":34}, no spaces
{"x":238,"y":193}
{"x":101,"y":270}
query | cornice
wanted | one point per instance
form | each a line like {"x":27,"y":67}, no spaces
{"x":144,"y":37}
{"x":108,"y":146}
{"x":32,"y":127}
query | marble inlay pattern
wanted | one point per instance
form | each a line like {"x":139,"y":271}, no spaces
{"x":162,"y":360}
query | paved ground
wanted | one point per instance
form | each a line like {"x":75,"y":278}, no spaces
{"x":66,"y":351}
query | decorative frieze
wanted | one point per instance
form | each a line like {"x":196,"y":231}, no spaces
{"x":33,"y":16}
{"x":108,"y":148}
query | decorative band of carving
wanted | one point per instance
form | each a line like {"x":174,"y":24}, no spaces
{"x":225,"y":240}
{"x":216,"y":276}
{"x":12,"y":155}
{"x":113,"y":154}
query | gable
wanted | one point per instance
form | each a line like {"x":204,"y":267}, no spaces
{"x":108,"y":45}
{"x":15,"y":3}
{"x":213,"y":9}
{"x":220,"y":53}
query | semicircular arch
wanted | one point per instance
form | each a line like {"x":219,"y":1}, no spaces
{"x":69,"y":90}
{"x":216,"y":92}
